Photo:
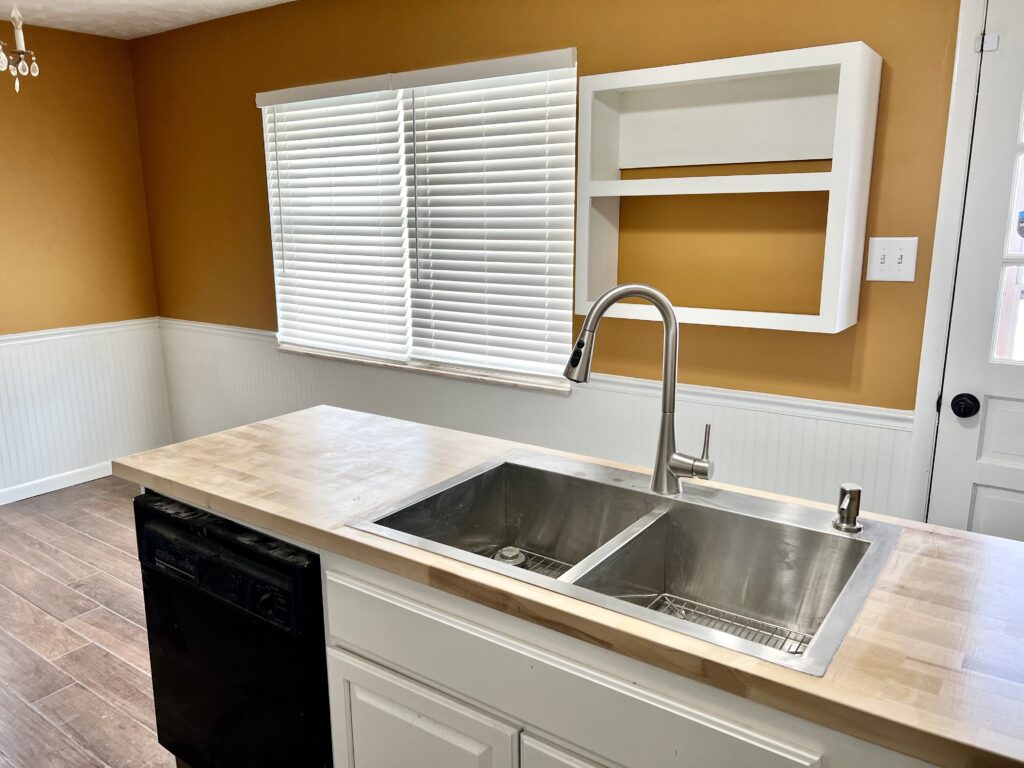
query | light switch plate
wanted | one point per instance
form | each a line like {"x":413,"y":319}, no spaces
{"x":892,"y":258}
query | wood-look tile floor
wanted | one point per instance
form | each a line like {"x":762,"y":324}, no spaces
{"x":74,"y":662}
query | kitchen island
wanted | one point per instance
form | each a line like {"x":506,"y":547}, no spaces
{"x":931,"y":668}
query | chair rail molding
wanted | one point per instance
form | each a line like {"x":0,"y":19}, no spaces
{"x":221,"y":376}
{"x":72,"y":399}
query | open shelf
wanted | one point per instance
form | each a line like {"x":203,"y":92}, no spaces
{"x":713,"y":185}
{"x":813,"y":104}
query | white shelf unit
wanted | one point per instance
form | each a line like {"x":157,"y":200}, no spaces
{"x":808,"y":104}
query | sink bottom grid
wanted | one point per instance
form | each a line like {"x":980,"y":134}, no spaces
{"x":754,"y":630}
{"x":545,"y":566}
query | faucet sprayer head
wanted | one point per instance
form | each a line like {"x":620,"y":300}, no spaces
{"x":578,"y":367}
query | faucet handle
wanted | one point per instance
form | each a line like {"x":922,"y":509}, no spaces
{"x":704,"y":467}
{"x":683,"y":465}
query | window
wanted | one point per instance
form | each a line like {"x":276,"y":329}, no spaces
{"x":426,"y":219}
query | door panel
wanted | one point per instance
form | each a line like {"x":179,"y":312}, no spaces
{"x":978,"y":476}
{"x":1002,"y":437}
{"x":386,"y":720}
{"x":997,"y":511}
{"x":386,"y":733}
{"x":540,"y":754}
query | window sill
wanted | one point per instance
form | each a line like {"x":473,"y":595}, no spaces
{"x":519,"y":381}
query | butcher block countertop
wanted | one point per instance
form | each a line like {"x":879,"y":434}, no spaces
{"x":933,"y":666}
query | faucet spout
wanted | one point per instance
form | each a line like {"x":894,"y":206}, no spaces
{"x":578,"y":367}
{"x":669,"y":465}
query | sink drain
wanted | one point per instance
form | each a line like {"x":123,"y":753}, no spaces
{"x":510,"y":556}
{"x":527,"y":560}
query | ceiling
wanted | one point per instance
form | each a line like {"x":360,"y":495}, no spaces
{"x":126,"y":19}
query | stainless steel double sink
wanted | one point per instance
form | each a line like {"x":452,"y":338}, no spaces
{"x":766,"y":578}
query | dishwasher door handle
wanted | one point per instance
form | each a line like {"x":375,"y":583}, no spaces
{"x":174,"y":570}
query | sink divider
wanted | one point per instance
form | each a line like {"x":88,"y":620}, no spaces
{"x":613,"y":545}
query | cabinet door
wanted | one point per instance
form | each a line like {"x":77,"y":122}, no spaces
{"x":540,"y":754}
{"x":382,"y":720}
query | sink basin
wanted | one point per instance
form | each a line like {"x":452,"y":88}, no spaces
{"x":555,"y":520}
{"x":751,"y":577}
{"x":766,"y":578}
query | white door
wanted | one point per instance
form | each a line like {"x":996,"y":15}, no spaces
{"x":540,"y":754}
{"x":978,"y":477}
{"x":382,"y":720}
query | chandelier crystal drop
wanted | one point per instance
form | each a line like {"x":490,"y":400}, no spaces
{"x":18,"y":61}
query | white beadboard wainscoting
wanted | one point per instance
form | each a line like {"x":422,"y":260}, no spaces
{"x":221,"y":376}
{"x":72,"y":399}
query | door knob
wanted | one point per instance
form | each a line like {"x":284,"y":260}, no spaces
{"x":965,"y":405}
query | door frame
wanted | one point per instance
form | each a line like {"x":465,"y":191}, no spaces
{"x":945,"y":255}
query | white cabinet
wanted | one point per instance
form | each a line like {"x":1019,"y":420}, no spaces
{"x":383,"y":720}
{"x":540,"y":754}
{"x":538,"y":691}
{"x":813,"y":104}
{"x":419,"y":677}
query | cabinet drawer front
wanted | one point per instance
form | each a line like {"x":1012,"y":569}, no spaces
{"x":383,"y":720}
{"x":606,"y":716}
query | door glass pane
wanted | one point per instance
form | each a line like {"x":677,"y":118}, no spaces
{"x":1015,"y":240}
{"x":1009,"y":342}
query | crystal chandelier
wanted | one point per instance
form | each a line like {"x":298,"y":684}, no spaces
{"x":20,"y":61}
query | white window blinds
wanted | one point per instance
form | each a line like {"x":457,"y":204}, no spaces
{"x":493,"y":163}
{"x":338,"y":223}
{"x":431,"y":226}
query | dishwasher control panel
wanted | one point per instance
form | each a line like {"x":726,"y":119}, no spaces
{"x":239,"y":566}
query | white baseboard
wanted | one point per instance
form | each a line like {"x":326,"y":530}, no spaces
{"x":54,"y":482}
{"x":220,"y":377}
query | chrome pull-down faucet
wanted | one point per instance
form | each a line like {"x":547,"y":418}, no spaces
{"x":669,"y":466}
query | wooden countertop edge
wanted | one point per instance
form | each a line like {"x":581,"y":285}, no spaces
{"x":672,"y":651}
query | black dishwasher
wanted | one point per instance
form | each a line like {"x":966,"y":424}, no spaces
{"x":236,"y":641}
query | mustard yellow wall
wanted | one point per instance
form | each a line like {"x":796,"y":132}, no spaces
{"x":74,"y":247}
{"x":205,"y":180}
